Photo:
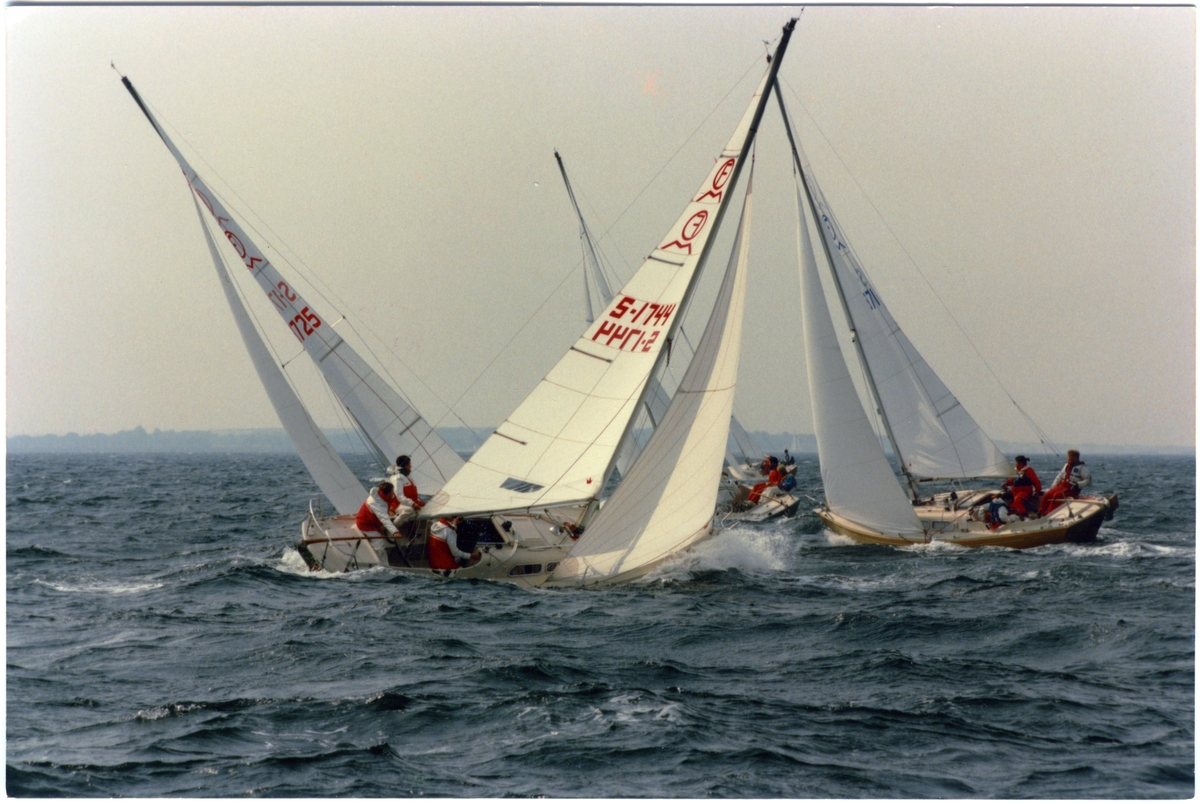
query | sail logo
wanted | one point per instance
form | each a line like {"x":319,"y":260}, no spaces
{"x":692,"y":227}
{"x":639,"y":327}
{"x":222,"y":220}
{"x":718,"y":183}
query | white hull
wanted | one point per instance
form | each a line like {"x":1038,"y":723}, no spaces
{"x":524,"y":553}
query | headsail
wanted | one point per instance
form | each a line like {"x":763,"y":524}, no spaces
{"x":934,"y":433}
{"x":859,"y":482}
{"x":327,"y":468}
{"x":559,"y":445}
{"x":390,"y":424}
{"x":667,"y":501}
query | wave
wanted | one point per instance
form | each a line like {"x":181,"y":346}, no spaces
{"x":748,"y":551}
{"x":98,"y":587}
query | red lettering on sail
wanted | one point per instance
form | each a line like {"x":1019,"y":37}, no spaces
{"x":718,"y":182}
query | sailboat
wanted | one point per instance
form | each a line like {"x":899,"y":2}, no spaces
{"x":931,"y":434}
{"x":529,"y":499}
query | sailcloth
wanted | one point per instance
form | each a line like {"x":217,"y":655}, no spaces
{"x":558,"y":446}
{"x":667,"y":501}
{"x":331,"y":474}
{"x":391,"y":425}
{"x":935,"y":434}
{"x":859,"y":482}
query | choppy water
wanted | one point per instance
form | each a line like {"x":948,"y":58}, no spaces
{"x":164,"y":641}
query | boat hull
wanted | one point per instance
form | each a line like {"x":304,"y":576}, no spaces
{"x":521,"y":549}
{"x":1076,"y":521}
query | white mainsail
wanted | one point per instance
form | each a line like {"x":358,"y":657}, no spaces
{"x":667,"y":501}
{"x":859,"y":482}
{"x":390,"y":424}
{"x":558,"y":446}
{"x":936,"y":436}
{"x":331,"y":474}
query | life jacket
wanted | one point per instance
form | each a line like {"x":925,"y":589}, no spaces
{"x":440,"y":557}
{"x":367,"y":519}
{"x":788,"y":483}
{"x":1027,"y":477}
{"x":410,"y":491}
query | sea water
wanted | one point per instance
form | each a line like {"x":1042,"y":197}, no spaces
{"x":164,"y":639}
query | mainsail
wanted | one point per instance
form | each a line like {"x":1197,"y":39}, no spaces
{"x":934,"y":434}
{"x":390,"y":424}
{"x":558,"y":447}
{"x":331,"y":474}
{"x":656,"y":397}
{"x":858,"y":480}
{"x":667,"y":501}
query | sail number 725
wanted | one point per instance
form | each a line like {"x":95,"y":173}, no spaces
{"x":304,"y":324}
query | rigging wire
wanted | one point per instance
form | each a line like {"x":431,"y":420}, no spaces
{"x":1041,"y":434}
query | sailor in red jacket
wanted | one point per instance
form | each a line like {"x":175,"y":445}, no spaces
{"x":1023,"y":487}
{"x":375,"y":515}
{"x":409,"y":490}
{"x":773,"y":481}
{"x":443,"y":546}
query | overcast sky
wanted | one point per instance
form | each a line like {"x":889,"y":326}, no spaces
{"x":1020,"y":179}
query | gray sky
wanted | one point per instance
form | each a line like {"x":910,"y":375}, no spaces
{"x":1035,"y":166}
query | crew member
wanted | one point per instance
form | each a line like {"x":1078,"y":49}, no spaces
{"x":1071,"y":478}
{"x":773,"y":480}
{"x":404,"y":464}
{"x":443,"y":546}
{"x":1024,"y":486}
{"x":375,"y":515}
{"x":1000,"y":511}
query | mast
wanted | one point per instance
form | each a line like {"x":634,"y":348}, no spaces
{"x":586,"y":235}
{"x":665,"y":354}
{"x":862,"y":357}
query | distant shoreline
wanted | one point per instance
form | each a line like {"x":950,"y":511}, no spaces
{"x":461,"y":439}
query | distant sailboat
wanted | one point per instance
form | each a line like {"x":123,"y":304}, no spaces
{"x":930,"y":432}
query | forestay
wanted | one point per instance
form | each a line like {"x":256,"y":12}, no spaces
{"x":558,"y":446}
{"x":390,"y":424}
{"x":667,"y":501}
{"x":935,"y":434}
{"x":333,"y":477}
{"x":858,"y":480}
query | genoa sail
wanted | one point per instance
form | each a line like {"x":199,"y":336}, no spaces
{"x":331,"y":474}
{"x":559,"y":446}
{"x":934,"y":433}
{"x":667,"y":501}
{"x":390,"y":425}
{"x":859,"y":482}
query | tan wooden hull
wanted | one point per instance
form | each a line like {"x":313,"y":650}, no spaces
{"x":1078,"y":524}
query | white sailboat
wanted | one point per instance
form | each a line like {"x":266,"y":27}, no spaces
{"x":528,"y":498}
{"x":931,"y":434}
